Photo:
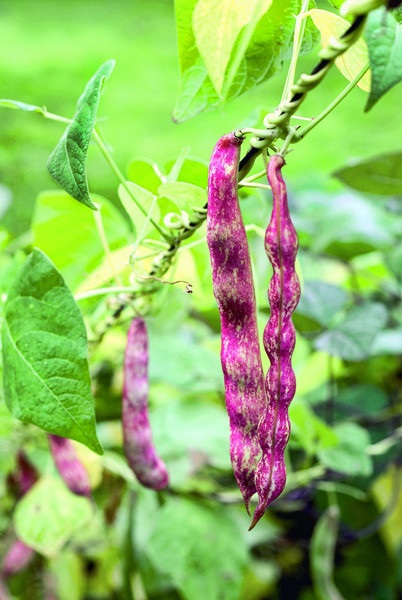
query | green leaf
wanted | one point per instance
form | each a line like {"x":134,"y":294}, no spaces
{"x":16,"y":104}
{"x":343,"y":225}
{"x":81,"y":251}
{"x":321,"y":301}
{"x":257,"y":49}
{"x":352,"y":339}
{"x":384,"y":40}
{"x":200,"y":548}
{"x":350,"y":454}
{"x":351,"y":62}
{"x":47,"y":517}
{"x":184,"y":195}
{"x":190,"y":435}
{"x":308,"y":430}
{"x":393,"y":260}
{"x":217,"y":25}
{"x":381,"y":174}
{"x":67,"y":163}
{"x":388,"y":341}
{"x":145,"y":173}
{"x":46,"y":376}
{"x":192,"y":170}
{"x":142,"y":226}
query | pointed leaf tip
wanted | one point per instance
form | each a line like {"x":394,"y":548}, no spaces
{"x":67,"y":163}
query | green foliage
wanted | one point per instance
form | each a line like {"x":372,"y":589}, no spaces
{"x":378,"y":175}
{"x":67,"y":163}
{"x":49,"y":515}
{"x":384,"y":40}
{"x":81,"y":251}
{"x":224,"y":52}
{"x":349,"y":455}
{"x":45,"y":354}
{"x":352,"y":337}
{"x":191,"y":541}
{"x":200,"y":559}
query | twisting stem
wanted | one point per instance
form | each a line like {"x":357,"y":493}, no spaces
{"x":305,"y":83}
{"x":300,"y":135}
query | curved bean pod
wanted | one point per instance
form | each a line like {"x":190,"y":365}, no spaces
{"x":18,"y":557}
{"x":279,"y":340}
{"x":69,"y":466}
{"x":234,"y":292}
{"x":149,"y":469}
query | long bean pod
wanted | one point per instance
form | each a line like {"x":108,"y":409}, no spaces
{"x":140,"y":452}
{"x":279,"y":340}
{"x":69,"y":466}
{"x":234,"y":292}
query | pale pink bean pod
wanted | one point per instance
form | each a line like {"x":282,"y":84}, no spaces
{"x":279,"y":340}
{"x":17,"y":559}
{"x":234,"y":292}
{"x":19,"y":555}
{"x":69,"y":466}
{"x":140,"y":452}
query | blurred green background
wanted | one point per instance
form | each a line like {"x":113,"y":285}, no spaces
{"x":49,"y":50}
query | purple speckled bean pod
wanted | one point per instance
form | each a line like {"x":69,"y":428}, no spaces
{"x":26,"y":474}
{"x":19,"y":555}
{"x":69,"y":466}
{"x":140,"y":452}
{"x":17,"y":559}
{"x":279,"y":340}
{"x":234,"y":292}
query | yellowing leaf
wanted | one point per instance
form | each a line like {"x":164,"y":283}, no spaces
{"x":354,"y":59}
{"x":92,"y":463}
{"x":384,"y":492}
{"x":216,"y":26}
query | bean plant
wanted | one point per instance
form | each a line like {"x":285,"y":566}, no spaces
{"x":150,"y":449}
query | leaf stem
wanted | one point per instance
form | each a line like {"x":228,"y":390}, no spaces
{"x":102,"y":147}
{"x":300,"y":135}
{"x":105,"y":244}
{"x":104,"y":291}
{"x":297,"y":42}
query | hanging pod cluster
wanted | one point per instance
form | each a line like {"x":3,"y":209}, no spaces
{"x":257,"y":408}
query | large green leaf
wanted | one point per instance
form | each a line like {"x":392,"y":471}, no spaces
{"x":349,"y":455}
{"x":46,"y":376}
{"x":380,"y":174}
{"x":321,"y":301}
{"x":217,"y":25}
{"x":384,"y":40}
{"x":352,"y":339}
{"x":81,"y":250}
{"x":49,"y":515}
{"x":231,"y":50}
{"x":200,"y":549}
{"x":67,"y":163}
